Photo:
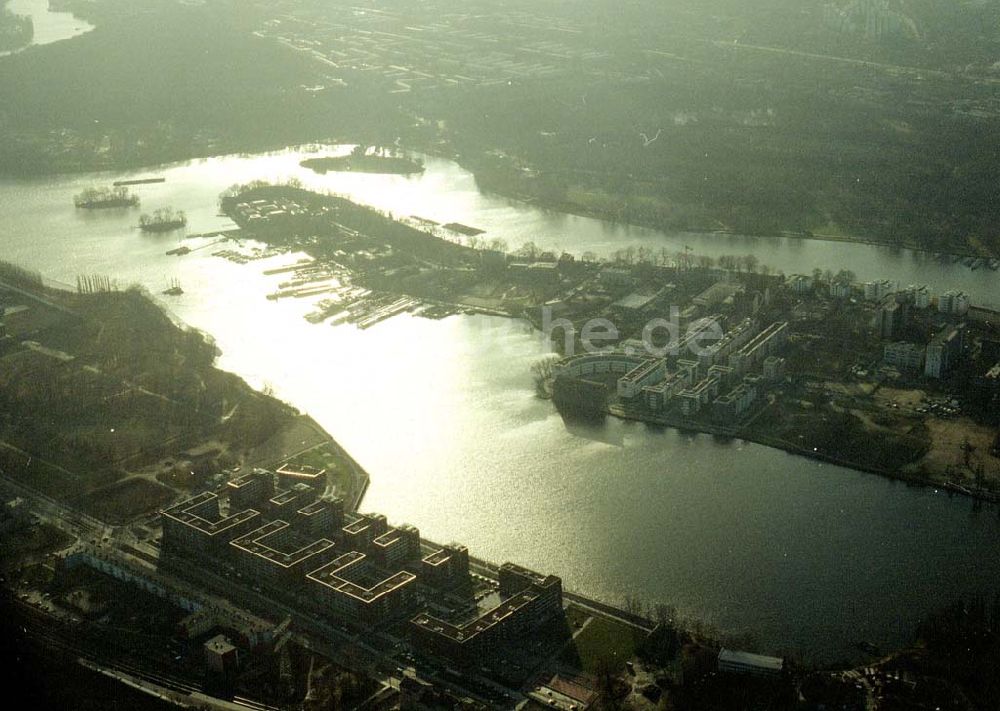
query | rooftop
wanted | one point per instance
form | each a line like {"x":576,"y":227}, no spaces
{"x":315,"y":507}
{"x":254,"y":542}
{"x":389,"y":537}
{"x":357,"y":526}
{"x":536,"y":578}
{"x":245,"y":479}
{"x":635,"y":301}
{"x":642,"y":370}
{"x":288,"y":496}
{"x":481,"y":624}
{"x":764,"y":336}
{"x":331,"y":576}
{"x":219,"y":644}
{"x":301,"y":472}
{"x":188,"y":512}
{"x":437,"y":557}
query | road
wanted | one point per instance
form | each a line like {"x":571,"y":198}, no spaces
{"x":898,"y":68}
{"x":66,"y":519}
{"x":37,"y":298}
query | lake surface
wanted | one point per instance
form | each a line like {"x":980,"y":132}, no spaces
{"x":807,"y":556}
{"x":49,"y":26}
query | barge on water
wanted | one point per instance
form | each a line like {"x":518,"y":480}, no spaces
{"x":464,"y":229}
{"x":139,"y":181}
{"x":102,"y":198}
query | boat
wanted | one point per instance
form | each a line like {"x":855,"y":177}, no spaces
{"x":163,"y":220}
{"x":139,"y":181}
{"x":869,"y":648}
{"x":102,"y":198}
{"x":179,"y":251}
{"x":174,"y":289}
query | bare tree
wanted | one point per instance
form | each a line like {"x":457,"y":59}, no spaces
{"x":634,"y":605}
{"x":664,"y":614}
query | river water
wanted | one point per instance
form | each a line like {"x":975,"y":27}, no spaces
{"x":808,"y":557}
{"x":49,"y":26}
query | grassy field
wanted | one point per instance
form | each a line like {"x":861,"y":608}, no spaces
{"x":602,"y":641}
{"x":126,"y":499}
{"x":42,"y":476}
{"x":946,"y":458}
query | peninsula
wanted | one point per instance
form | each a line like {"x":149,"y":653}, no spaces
{"x":873,"y":376}
{"x":362,"y":161}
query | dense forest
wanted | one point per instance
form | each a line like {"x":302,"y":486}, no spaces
{"x":113,"y":381}
{"x":158,"y":82}
{"x":16,"y":31}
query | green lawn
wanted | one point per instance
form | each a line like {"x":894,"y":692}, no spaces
{"x":602,"y":640}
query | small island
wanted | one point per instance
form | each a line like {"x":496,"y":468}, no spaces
{"x":165,"y":219}
{"x":103,"y":198}
{"x":361,"y":160}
